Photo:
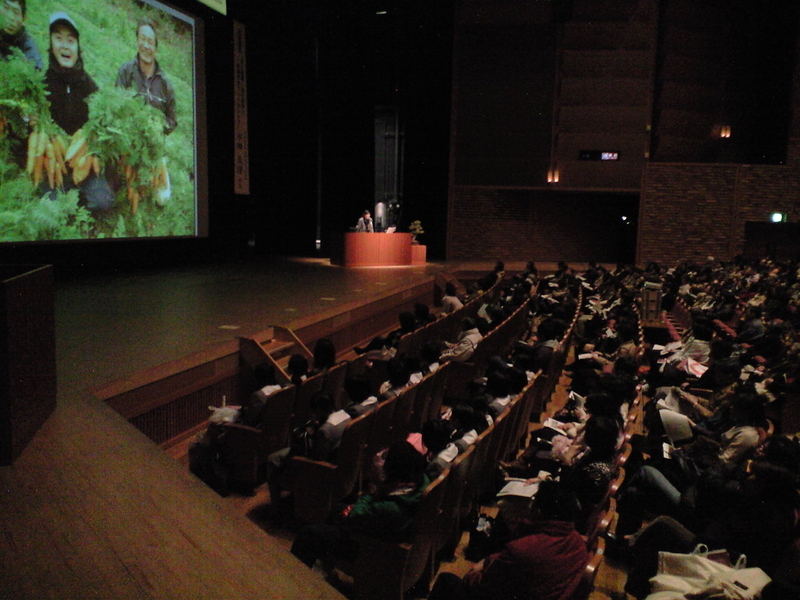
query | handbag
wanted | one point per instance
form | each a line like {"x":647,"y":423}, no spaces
{"x":480,"y":542}
{"x":742,"y":584}
{"x":688,"y":573}
{"x":705,"y":574}
{"x":301,"y":439}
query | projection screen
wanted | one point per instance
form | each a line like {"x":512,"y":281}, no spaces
{"x":102,"y":129}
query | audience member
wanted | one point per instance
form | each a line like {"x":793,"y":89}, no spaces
{"x":252,"y":409}
{"x":544,"y":561}
{"x":422,"y":313}
{"x":462,"y":350}
{"x":318,"y":439}
{"x":399,"y":379}
{"x":359,"y":392}
{"x":408,"y":324}
{"x":297,"y":369}
{"x":450,"y":301}
{"x":386,"y":514}
{"x":324,"y":355}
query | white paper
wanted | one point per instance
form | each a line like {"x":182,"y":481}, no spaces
{"x":555,"y":426}
{"x":676,"y":425}
{"x":695,"y":368}
{"x":670,"y":402}
{"x":517,"y":487}
{"x":340,"y":416}
{"x":580,"y":401}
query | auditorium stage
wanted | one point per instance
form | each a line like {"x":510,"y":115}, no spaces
{"x":110,"y":326}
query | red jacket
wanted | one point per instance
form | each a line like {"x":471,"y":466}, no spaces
{"x":547,"y":564}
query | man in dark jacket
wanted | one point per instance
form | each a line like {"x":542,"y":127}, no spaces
{"x":145,"y":76}
{"x":13,"y":33}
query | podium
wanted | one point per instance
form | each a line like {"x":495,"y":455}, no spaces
{"x":27,"y":355}
{"x":373,"y":250}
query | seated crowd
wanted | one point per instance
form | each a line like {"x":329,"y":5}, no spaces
{"x":731,"y":481}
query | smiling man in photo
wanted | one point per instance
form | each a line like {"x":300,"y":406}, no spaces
{"x":13,"y":33}
{"x":145,"y":75}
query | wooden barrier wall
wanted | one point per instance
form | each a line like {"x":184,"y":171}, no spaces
{"x":170,"y":401}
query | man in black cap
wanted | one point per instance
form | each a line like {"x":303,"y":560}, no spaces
{"x":69,"y":86}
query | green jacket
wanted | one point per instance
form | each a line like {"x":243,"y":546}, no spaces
{"x":386,"y":515}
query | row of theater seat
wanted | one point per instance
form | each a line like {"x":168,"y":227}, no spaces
{"x":452,"y":497}
{"x":393,"y":419}
{"x":245,"y":448}
{"x":317,"y":486}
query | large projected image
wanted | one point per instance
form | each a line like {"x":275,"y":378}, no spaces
{"x":98,"y":121}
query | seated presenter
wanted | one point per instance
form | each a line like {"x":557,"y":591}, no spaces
{"x":364,"y":224}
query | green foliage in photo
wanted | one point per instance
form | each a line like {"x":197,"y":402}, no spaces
{"x":22,"y":94}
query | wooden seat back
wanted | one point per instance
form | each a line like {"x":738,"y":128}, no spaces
{"x":485,"y":480}
{"x":242,"y":452}
{"x":508,"y":445}
{"x":403,"y":409}
{"x":438,"y":391}
{"x":522,"y":418}
{"x":333,"y":383}
{"x":301,"y":412}
{"x":447,"y":526}
{"x":472,"y":492}
{"x":245,"y":449}
{"x":419,"y":411}
{"x":276,"y":419}
{"x":586,"y":585}
{"x":318,"y":485}
{"x":381,"y":427}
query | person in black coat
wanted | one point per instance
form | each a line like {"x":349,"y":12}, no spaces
{"x":69,"y":85}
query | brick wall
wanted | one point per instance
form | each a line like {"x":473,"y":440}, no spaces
{"x":489,"y":224}
{"x":522,"y":225}
{"x":685,"y":210}
{"x":690,"y":211}
{"x":696,"y":210}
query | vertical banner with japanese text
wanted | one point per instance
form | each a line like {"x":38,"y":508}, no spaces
{"x":241,"y":178}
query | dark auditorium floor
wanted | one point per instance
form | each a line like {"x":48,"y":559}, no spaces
{"x":110,"y":326}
